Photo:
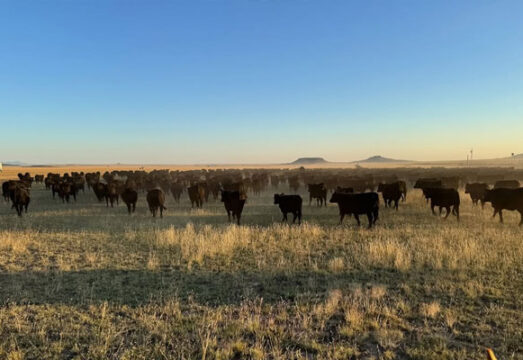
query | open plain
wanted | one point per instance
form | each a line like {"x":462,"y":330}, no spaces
{"x":84,"y":281}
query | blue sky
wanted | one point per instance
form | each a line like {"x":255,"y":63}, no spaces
{"x":259,"y":81}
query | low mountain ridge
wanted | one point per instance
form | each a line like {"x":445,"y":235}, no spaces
{"x":379,"y":159}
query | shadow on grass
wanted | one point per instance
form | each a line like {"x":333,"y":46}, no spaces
{"x":137,"y":287}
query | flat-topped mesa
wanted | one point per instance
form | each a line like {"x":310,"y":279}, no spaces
{"x":309,"y":161}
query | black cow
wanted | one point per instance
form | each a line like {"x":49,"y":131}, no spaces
{"x":130,"y":197}
{"x":318,"y":192}
{"x":234,"y":202}
{"x":476,"y":192}
{"x":289,"y":204}
{"x":391,"y":193}
{"x":100,"y":190}
{"x":505,"y":199}
{"x":444,"y":198}
{"x":506,"y":184}
{"x":196,"y":195}
{"x":357,"y":204}
{"x":21,"y":199}
{"x":156,"y":200}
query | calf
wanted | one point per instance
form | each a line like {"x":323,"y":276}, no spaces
{"x":234,"y":202}
{"x":289,"y":204}
{"x":505,"y":199}
{"x":444,"y":198}
{"x":476,"y":192}
{"x":156,"y":201}
{"x":357,"y":204}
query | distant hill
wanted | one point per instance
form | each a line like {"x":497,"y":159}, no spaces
{"x":13,"y":163}
{"x":379,"y":159}
{"x":309,"y":161}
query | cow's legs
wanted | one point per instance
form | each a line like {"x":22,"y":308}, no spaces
{"x":448,"y":211}
{"x":396,"y":204}
{"x":369,"y":217}
{"x":501,"y":216}
{"x":341,"y":218}
{"x":357,"y":219}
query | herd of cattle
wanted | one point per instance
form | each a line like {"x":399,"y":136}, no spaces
{"x":355,"y":191}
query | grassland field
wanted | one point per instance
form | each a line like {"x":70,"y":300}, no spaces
{"x":82,"y":281}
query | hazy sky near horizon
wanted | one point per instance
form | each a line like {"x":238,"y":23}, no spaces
{"x":259,"y":81}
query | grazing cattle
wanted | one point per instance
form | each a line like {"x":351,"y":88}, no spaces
{"x":506,"y":184}
{"x":156,"y":201}
{"x":176,"y":191}
{"x":476,"y":192}
{"x":21,"y":199}
{"x":196,"y":195}
{"x":39,"y":179}
{"x":318,"y":192}
{"x":130,"y":197}
{"x":444,"y":198}
{"x":234,"y":202}
{"x":505,"y":199}
{"x":289,"y":204}
{"x":357,"y":204}
{"x":391,"y":193}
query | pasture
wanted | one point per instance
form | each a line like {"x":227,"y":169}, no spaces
{"x":83,"y":281}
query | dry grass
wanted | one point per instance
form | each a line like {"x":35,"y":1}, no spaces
{"x":81,"y":281}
